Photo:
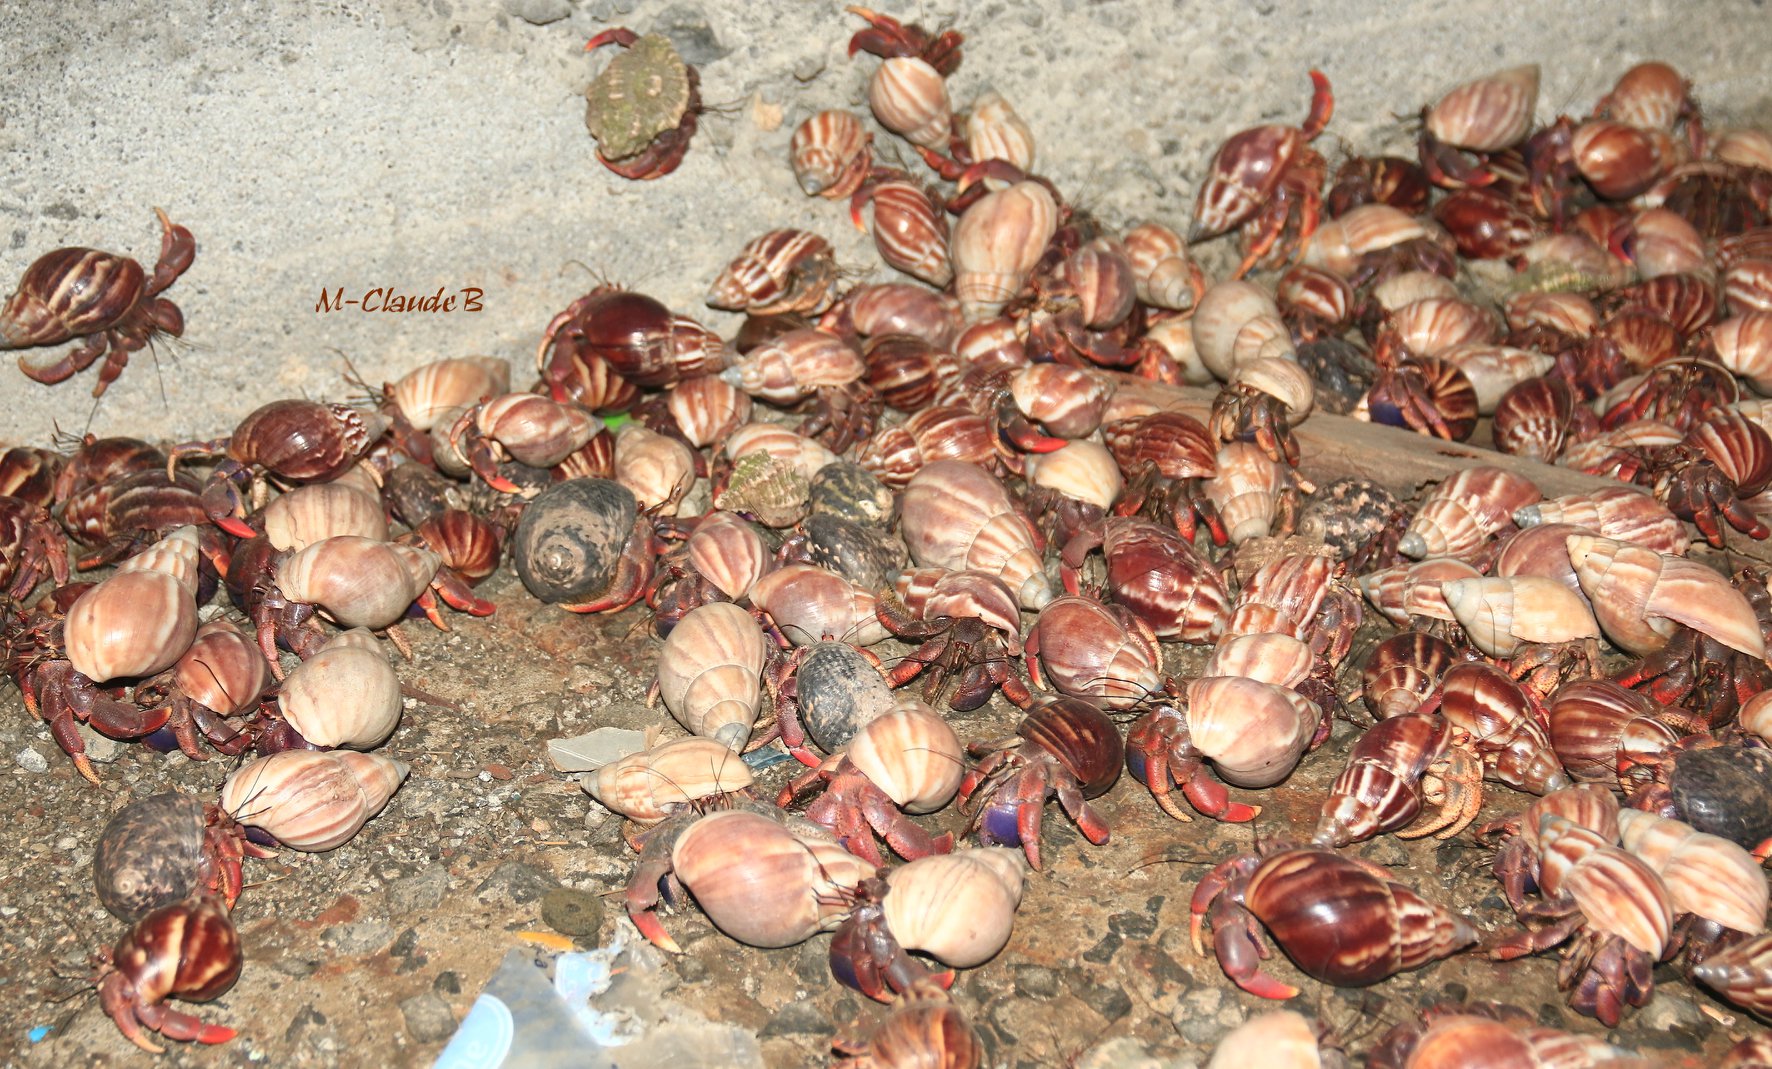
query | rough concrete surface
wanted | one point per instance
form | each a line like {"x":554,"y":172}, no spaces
{"x":413,"y":146}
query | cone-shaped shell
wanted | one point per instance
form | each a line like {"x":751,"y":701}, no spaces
{"x":646,"y":786}
{"x":358,"y":581}
{"x":426,"y":395}
{"x":1500,"y":614}
{"x":728,"y":551}
{"x":912,"y":754}
{"x":176,"y":554}
{"x":1639,"y":595}
{"x":1253,"y":732}
{"x":910,"y":98}
{"x":1160,"y":266}
{"x":132,"y":624}
{"x":312,"y":800}
{"x":1488,"y":114}
{"x":710,"y":672}
{"x":345,"y":695}
{"x":309,"y":514}
{"x":1708,"y":876}
{"x":1246,"y":491}
{"x":1463,"y":512}
{"x":1238,"y":321}
{"x":996,"y":243}
{"x":959,"y":908}
{"x":995,"y":132}
{"x":809,"y":603}
{"x":1622,"y":512}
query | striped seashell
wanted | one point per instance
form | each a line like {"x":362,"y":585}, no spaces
{"x":658,"y":468}
{"x":809,"y":604}
{"x":1569,"y":314}
{"x":310,"y":513}
{"x":1500,"y":614}
{"x":1640,"y":596}
{"x":1744,"y":147}
{"x":997,"y":242}
{"x":911,"y":232}
{"x":958,"y":908}
{"x":1617,"y":893}
{"x":1081,"y":470}
{"x":764,"y":884}
{"x":1166,"y":276}
{"x":1622,"y":512}
{"x":1405,"y":289}
{"x":427,"y":394}
{"x":1706,"y":876}
{"x":782,"y":271}
{"x":710,"y":673}
{"x":995,"y":132}
{"x":910,"y":98}
{"x":133,"y":624}
{"x":1246,"y":491}
{"x":176,"y":554}
{"x":912,"y":754}
{"x":1494,"y":369}
{"x":357,"y":581}
{"x":1339,"y":244}
{"x":830,"y":154}
{"x":312,"y":800}
{"x":1743,"y":344}
{"x":223,"y":671}
{"x":650,"y":785}
{"x":1236,"y":322}
{"x":1409,"y":590}
{"x":1431,"y":326}
{"x":1488,"y":114}
{"x":791,"y":367}
{"x":1541,"y":550}
{"x":1465,"y":511}
{"x":728,"y":551}
{"x":1253,"y":732}
{"x":345,"y":695}
{"x":780,"y":442}
{"x":958,"y":516}
{"x":1403,"y":670}
{"x":1266,"y":657}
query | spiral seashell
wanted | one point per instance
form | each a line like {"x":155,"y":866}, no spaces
{"x":1236,"y":322}
{"x":1500,"y":614}
{"x":996,"y":243}
{"x":911,"y":231}
{"x":1402,"y":671}
{"x":710,"y":673}
{"x":1618,"y":893}
{"x":1744,"y":148}
{"x":940,"y":432}
{"x":762,"y":884}
{"x":1081,"y":470}
{"x":357,"y":581}
{"x":1639,"y":596}
{"x":1339,"y":244}
{"x":1310,"y":291}
{"x":958,"y":908}
{"x":1569,"y":314}
{"x":707,"y":408}
{"x":133,"y":624}
{"x":1597,"y":727}
{"x":1661,"y":243}
{"x":223,"y":671}
{"x":1401,"y":290}
{"x":1485,"y":704}
{"x":1541,"y":419}
{"x":648,"y":786}
{"x":1253,"y":732}
{"x":1176,"y":338}
{"x":1266,"y":657}
{"x":1620,"y":161}
{"x":806,"y":455}
{"x":1281,"y":378}
{"x":1246,"y":491}
{"x":912,"y":754}
{"x":535,"y":430}
{"x":1161,"y":267}
{"x":782,"y":271}
{"x":1067,"y":401}
{"x":1621,"y":512}
{"x":1100,"y":275}
{"x":1405,"y":591}
{"x":1743,"y":344}
{"x":1465,"y":511}
{"x":809,"y":604}
{"x":791,"y":367}
{"x":958,"y":516}
{"x":1082,"y":648}
{"x":1433,"y":325}
{"x":1707,"y":876}
{"x":769,"y":490}
{"x":1494,"y":369}
{"x":176,"y":554}
{"x":728,"y":551}
{"x":995,"y":132}
{"x":346,"y":695}
{"x":1488,"y":114}
{"x":659,"y":469}
{"x":310,"y":513}
{"x":312,"y":800}
{"x":910,"y":98}
{"x":1541,"y":550}
{"x":427,"y":395}
{"x":830,"y":155}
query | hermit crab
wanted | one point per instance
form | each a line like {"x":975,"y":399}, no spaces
{"x":643,"y":108}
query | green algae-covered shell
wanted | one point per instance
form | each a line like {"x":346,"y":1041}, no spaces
{"x":642,"y":93}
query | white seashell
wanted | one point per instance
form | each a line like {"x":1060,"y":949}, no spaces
{"x":312,"y":800}
{"x":347,"y":694}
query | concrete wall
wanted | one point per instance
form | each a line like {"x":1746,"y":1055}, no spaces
{"x":416,"y":146}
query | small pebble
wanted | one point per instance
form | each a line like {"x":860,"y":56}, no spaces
{"x":802,"y":1018}
{"x":428,"y":1018}
{"x":572,"y":912}
{"x":1035,"y":981}
{"x":32,"y":761}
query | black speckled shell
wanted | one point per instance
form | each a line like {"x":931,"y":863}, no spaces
{"x":839,"y":692}
{"x":1726,"y":791}
{"x":570,"y":537}
{"x":1346,"y":514}
{"x":864,"y":555}
{"x":1342,"y":371}
{"x":414,"y":493}
{"x":851,"y":492}
{"x":149,"y":855}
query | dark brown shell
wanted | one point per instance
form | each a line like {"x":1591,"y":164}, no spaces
{"x":1725,"y":791}
{"x":416,"y":492}
{"x":149,"y":855}
{"x":570,"y":537}
{"x":866,"y":556}
{"x":839,"y":693}
{"x":1347,"y":513}
{"x":851,"y":492}
{"x":1082,"y":737}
